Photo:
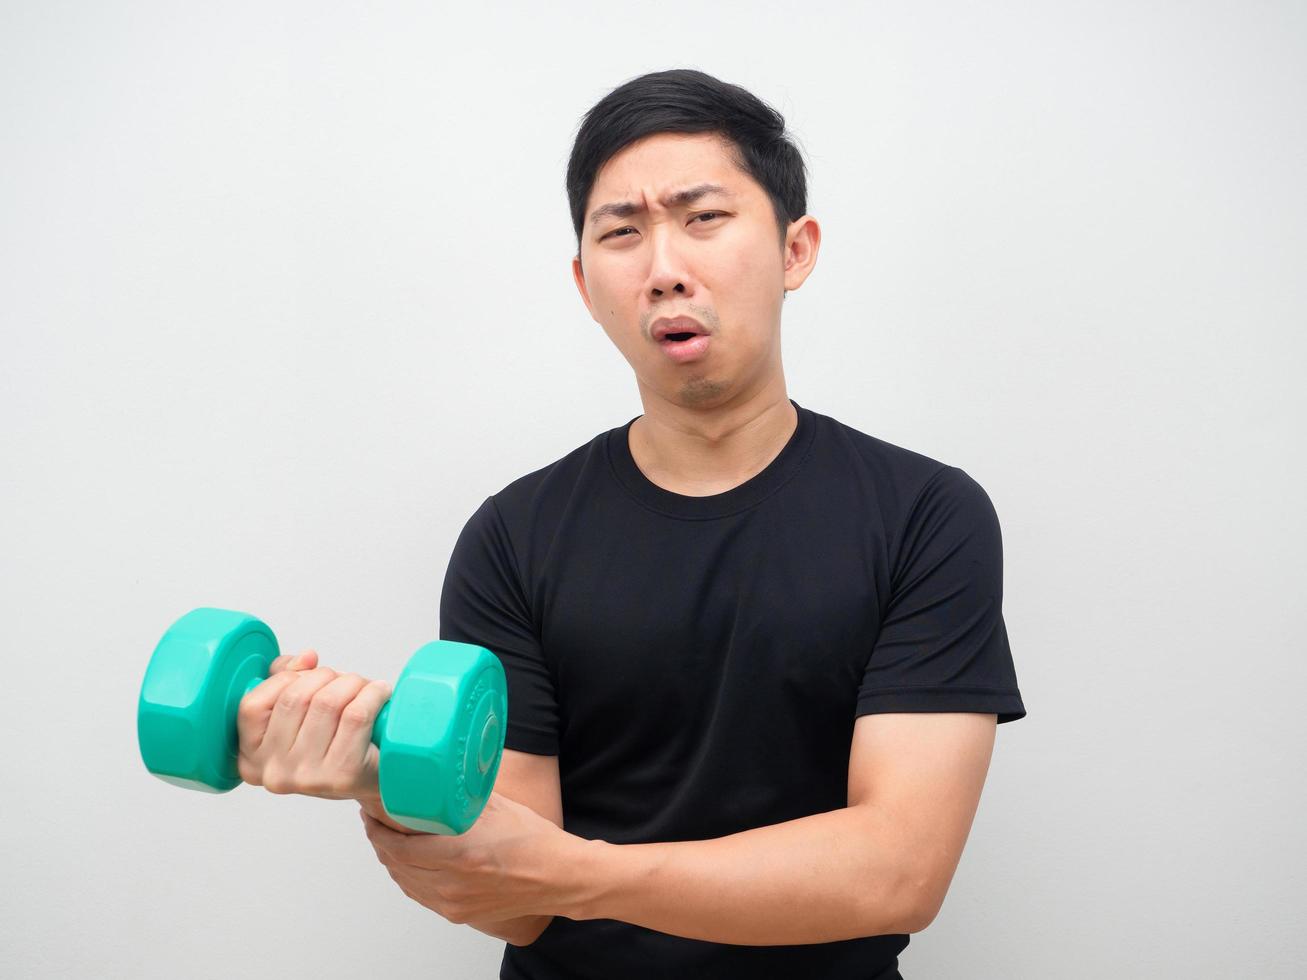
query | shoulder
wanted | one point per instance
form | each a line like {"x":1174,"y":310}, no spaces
{"x":898,"y":474}
{"x":909,"y":487}
{"x":507,"y":522}
{"x":537,"y":501}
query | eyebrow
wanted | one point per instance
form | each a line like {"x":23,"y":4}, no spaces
{"x":624,"y":209}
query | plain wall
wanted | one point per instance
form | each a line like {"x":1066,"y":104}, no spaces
{"x":285,"y":294}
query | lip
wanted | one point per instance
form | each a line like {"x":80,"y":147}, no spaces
{"x":678,"y":324}
{"x":685,"y":351}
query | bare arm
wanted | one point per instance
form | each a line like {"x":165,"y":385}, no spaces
{"x":533,"y":781}
{"x":820,"y":878}
{"x":525,"y":778}
{"x":880,"y":865}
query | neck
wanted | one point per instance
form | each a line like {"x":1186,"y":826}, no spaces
{"x":703,"y":451}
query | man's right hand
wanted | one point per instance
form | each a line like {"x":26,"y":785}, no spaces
{"x":308,"y":730}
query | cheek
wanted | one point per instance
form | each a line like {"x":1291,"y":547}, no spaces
{"x":606,"y":305}
{"x":618,"y":293}
{"x":752,"y":270}
{"x":613,"y":300}
{"x":755,"y":285}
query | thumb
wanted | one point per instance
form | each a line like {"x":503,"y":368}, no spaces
{"x":304,"y":660}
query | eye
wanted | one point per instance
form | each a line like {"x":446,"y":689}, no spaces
{"x":617,"y":232}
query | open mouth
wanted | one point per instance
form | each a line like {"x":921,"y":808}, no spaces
{"x":679,"y":336}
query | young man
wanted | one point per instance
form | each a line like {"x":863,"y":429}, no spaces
{"x":759,"y":652}
{"x":755,"y":658}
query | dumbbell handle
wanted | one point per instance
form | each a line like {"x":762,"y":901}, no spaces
{"x":378,"y":726}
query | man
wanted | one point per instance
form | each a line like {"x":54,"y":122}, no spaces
{"x":755,"y":658}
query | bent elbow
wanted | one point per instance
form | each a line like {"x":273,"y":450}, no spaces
{"x":921,"y":899}
{"x":532,"y":930}
{"x":924,"y":911}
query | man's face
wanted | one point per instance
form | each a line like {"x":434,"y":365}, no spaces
{"x":716,"y":258}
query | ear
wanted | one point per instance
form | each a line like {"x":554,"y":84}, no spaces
{"x":802,"y":242}
{"x":579,"y":277}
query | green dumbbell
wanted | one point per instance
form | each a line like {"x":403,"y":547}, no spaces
{"x":440,"y":736}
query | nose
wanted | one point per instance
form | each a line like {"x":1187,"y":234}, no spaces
{"x":667,"y":272}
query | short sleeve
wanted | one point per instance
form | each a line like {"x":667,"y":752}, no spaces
{"x":483,"y":602}
{"x":942,"y":644}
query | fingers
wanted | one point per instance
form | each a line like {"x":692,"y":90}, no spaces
{"x":323,"y":715}
{"x":308,"y":730}
{"x":295,"y":690}
{"x":256,"y":710}
{"x":351,"y":746}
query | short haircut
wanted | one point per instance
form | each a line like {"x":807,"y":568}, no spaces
{"x":685,"y":100}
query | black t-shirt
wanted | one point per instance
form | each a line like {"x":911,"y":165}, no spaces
{"x":697,"y":663}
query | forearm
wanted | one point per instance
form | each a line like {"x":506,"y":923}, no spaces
{"x":519,"y":931}
{"x":821,"y":878}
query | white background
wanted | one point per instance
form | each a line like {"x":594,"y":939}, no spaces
{"x":285,"y":294}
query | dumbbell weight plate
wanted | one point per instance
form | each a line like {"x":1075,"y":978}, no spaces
{"x":200,"y":670}
{"x":442,"y":737}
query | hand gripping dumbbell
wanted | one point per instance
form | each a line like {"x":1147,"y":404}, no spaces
{"x":440,"y":736}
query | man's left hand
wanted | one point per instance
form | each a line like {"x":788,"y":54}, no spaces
{"x":511,"y":862}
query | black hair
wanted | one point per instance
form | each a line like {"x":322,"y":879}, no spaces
{"x":685,"y":100}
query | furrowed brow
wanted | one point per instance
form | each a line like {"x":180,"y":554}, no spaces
{"x":624,"y":209}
